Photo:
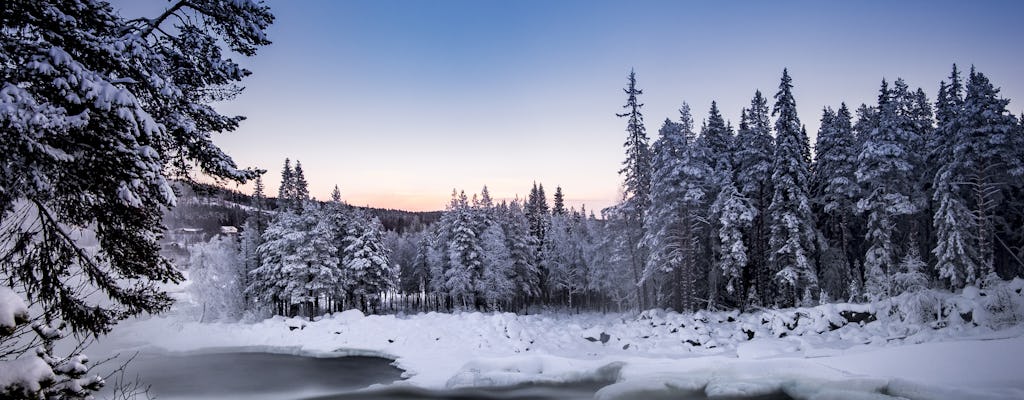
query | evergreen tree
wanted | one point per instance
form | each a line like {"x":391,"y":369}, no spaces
{"x":755,"y":148}
{"x":100,"y":113}
{"x":636,"y":174}
{"x":366,"y":264}
{"x":336,"y":195}
{"x":559,"y":208}
{"x":522,"y":253}
{"x":734,"y":215}
{"x":678,"y":192}
{"x":718,"y":141}
{"x":495,"y":285}
{"x":976,"y":179}
{"x":300,"y":188}
{"x":463,"y":254}
{"x":286,"y":192}
{"x":791,"y":222}
{"x":883,"y":173}
{"x":835,"y":194}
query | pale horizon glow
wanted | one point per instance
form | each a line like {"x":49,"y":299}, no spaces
{"x":399,"y":102}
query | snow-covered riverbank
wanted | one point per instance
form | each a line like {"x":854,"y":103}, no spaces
{"x":890,"y":348}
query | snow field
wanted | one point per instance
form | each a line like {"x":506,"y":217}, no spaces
{"x":807,"y":353}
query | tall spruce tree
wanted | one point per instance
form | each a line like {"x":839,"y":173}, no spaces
{"x":636,"y":174}
{"x":285,"y":192}
{"x":884,"y":175}
{"x":300,"y":188}
{"x":977,"y":178}
{"x":754,"y":154}
{"x":835,"y":194}
{"x":791,"y":221}
{"x":678,"y":195}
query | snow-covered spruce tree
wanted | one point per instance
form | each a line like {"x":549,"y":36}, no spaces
{"x":495,"y":286}
{"x":718,"y":141}
{"x":559,"y":202}
{"x":299,"y":262}
{"x":980,"y":173}
{"x":463,"y":255}
{"x":733,"y":214}
{"x":636,"y":186}
{"x":336,"y":195}
{"x":300,"y":187}
{"x":611,"y":263}
{"x":215,"y":273}
{"x":678,"y":195}
{"x":538,"y":215}
{"x":522,"y":254}
{"x":722,"y":272}
{"x":835,"y":192}
{"x":567,"y":273}
{"x":98,"y":113}
{"x":791,"y":222}
{"x":753,"y":159}
{"x":286,"y":191}
{"x":365,"y":260}
{"x":884,"y":175}
{"x":910,"y":275}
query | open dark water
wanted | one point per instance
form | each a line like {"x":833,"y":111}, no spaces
{"x":253,"y":376}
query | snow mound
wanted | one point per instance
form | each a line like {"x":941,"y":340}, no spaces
{"x":509,"y":371}
{"x":12,"y":310}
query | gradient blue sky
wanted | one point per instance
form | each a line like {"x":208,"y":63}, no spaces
{"x":398,"y":102}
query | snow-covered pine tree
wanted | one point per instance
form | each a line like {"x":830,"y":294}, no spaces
{"x":678,"y":193}
{"x":835,"y":194}
{"x":910,"y":275}
{"x":755,"y":148}
{"x":734,"y":214}
{"x":495,"y":286}
{"x":286,"y":192}
{"x":977,"y":177}
{"x":559,"y":205}
{"x":366,"y":262}
{"x":463,"y":255}
{"x":336,"y":195}
{"x":522,"y":254}
{"x":99,"y":113}
{"x":884,"y":175}
{"x":792,"y":232}
{"x":300,"y":188}
{"x":718,"y":141}
{"x":957,"y":259}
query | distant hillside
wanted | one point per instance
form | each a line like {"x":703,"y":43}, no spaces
{"x":208,"y":207}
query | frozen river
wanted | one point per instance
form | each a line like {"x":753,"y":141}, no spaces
{"x":254,"y":375}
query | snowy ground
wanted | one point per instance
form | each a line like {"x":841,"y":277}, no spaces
{"x":806,"y":353}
